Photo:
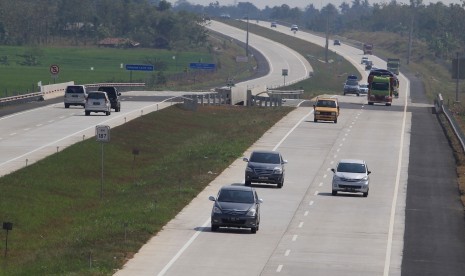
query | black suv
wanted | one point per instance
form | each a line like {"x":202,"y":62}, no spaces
{"x":113,"y":95}
{"x":265,"y":167}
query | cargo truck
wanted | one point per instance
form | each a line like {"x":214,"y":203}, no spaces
{"x":393,"y":65}
{"x":367,"y":49}
{"x":382,"y":86}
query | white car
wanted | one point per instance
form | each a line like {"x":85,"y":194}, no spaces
{"x":97,"y":101}
{"x":363,"y":88}
{"x":294,"y":28}
{"x":364,"y":60}
{"x":351,"y":175}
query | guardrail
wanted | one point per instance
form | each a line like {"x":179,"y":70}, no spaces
{"x":441,"y":108}
{"x":39,"y":96}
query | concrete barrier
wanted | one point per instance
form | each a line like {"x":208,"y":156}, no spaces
{"x":54,"y":90}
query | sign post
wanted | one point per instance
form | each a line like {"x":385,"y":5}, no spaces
{"x":284,"y":74}
{"x":54,"y":70}
{"x":102,"y":134}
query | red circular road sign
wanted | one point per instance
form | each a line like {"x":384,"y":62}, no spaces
{"x":54,"y":69}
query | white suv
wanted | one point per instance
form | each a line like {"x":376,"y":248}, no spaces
{"x":351,"y":175}
{"x":97,"y":101}
{"x":75,"y":95}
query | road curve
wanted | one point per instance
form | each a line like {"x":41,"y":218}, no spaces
{"x":304,"y":230}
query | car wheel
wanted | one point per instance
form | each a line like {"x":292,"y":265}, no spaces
{"x":87,"y":113}
{"x":335,"y":121}
{"x":315,"y":120}
{"x":358,"y":94}
{"x":370,"y":103}
{"x":253,"y":230}
{"x":365,"y":194}
{"x":334,"y":192}
{"x":214,"y":228}
{"x":280,"y":184}
{"x":66,"y":105}
{"x":248,"y":183}
{"x":108,"y":113}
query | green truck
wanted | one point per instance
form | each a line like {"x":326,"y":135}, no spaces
{"x":383,"y":85}
{"x":393,"y":65}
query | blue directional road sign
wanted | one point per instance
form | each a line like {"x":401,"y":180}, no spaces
{"x":139,"y":67}
{"x":199,"y":65}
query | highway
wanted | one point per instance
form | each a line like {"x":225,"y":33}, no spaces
{"x":304,"y":230}
{"x":31,"y":135}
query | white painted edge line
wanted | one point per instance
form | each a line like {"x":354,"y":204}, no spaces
{"x":387,"y":260}
{"x":197,"y":233}
{"x":291,"y":130}
{"x":188,"y":243}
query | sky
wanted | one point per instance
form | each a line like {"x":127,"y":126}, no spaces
{"x":303,"y":3}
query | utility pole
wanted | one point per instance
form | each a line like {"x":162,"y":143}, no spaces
{"x":247,"y":38}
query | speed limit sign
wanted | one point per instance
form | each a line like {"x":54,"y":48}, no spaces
{"x":54,"y":69}
{"x":102,"y":133}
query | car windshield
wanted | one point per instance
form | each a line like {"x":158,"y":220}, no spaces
{"x":96,"y":96}
{"x":351,"y":82}
{"x":236,"y":196}
{"x":323,"y":103}
{"x":380,"y":86}
{"x":351,"y":167}
{"x":74,"y":89}
{"x":363,"y":85}
{"x":265,"y":157}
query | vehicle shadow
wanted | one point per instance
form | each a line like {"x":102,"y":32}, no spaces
{"x":229,"y":230}
{"x":341,"y":194}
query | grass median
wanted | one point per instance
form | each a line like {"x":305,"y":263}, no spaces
{"x":61,"y":225}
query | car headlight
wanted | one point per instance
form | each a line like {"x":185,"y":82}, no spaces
{"x":248,"y":169}
{"x":317,"y":112}
{"x":277,"y":170}
{"x":333,"y":113}
{"x":252,"y":212}
{"x":365,"y":178}
{"x":216,"y":210}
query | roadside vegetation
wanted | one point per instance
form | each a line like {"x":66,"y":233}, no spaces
{"x":61,"y":225}
{"x":85,"y":65}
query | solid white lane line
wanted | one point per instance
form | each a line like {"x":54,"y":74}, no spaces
{"x":291,"y":130}
{"x":387,"y":261}
{"x":191,"y":240}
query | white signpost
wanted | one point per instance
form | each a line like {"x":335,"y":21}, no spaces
{"x":102,"y":134}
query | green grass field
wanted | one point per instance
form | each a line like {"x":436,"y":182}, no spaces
{"x":60,"y":221}
{"x":85,"y":65}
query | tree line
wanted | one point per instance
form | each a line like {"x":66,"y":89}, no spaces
{"x":152,"y":23}
{"x":440,"y":26}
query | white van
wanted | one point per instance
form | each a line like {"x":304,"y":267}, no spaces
{"x":75,"y":95}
